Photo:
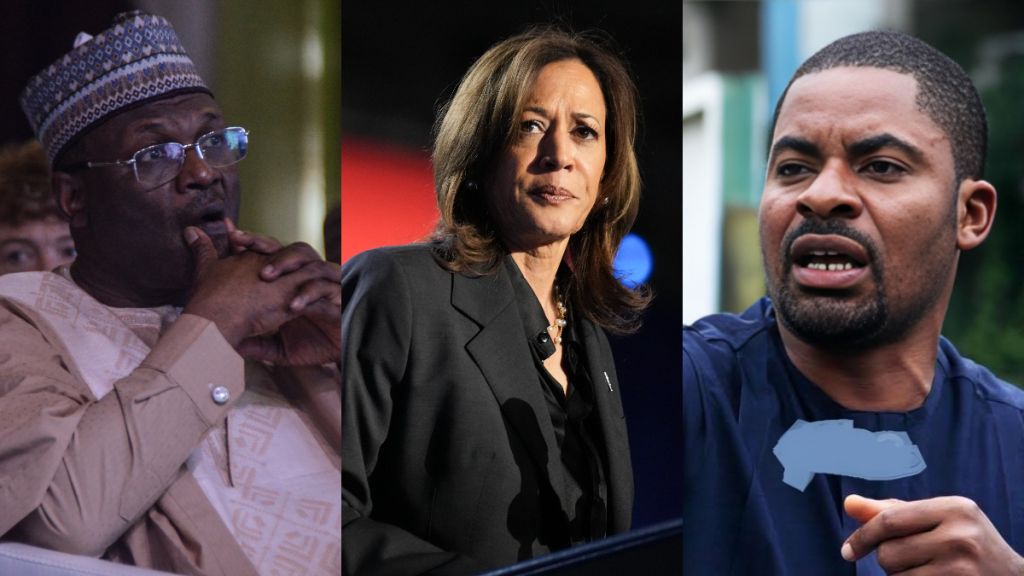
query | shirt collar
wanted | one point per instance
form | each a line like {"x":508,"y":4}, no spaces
{"x":535,"y":323}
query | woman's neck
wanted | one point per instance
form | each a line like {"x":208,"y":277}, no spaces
{"x":540,"y":268}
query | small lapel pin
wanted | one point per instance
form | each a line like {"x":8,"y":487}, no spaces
{"x":608,"y":380}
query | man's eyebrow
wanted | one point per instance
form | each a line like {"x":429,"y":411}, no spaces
{"x":211,"y":115}
{"x":872,"y":144}
{"x":148,"y":126}
{"x":856,"y":149}
{"x":796,"y":144}
{"x":158,"y":123}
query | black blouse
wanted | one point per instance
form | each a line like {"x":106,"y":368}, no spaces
{"x":573,"y":416}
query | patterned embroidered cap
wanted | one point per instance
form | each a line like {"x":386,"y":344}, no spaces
{"x":137,"y":60}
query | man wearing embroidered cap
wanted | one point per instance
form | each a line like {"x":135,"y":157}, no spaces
{"x":171,"y":399}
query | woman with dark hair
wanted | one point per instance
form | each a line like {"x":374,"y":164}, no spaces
{"x":481,"y":411}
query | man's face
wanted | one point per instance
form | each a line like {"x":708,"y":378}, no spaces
{"x":858,"y":214}
{"x":136,"y":230}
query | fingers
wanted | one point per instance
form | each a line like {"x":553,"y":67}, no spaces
{"x":316,"y":291}
{"x":296,"y":256}
{"x":285,"y":259}
{"x":317,"y":283}
{"x":233,"y":246}
{"x":926,"y":570}
{"x":203,"y":251}
{"x":893,"y":519}
{"x":242,"y":241}
{"x":901,"y":554}
{"x":942,"y":535}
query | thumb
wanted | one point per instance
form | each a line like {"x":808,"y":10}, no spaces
{"x":203,"y":251}
{"x":863,"y":509}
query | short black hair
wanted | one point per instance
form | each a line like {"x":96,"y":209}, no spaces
{"x":944,"y":91}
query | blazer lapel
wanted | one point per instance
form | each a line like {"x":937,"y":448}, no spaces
{"x":502,"y":354}
{"x":613,"y":426}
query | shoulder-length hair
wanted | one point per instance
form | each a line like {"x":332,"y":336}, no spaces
{"x":479,"y":122}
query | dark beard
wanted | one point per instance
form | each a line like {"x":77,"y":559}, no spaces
{"x":831,"y":320}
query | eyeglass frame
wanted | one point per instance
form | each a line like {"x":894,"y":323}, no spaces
{"x":184,"y":151}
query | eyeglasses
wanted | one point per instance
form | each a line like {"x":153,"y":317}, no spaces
{"x":161,"y":163}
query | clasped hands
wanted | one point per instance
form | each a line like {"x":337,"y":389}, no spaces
{"x":945,"y":535}
{"x":273,"y":303}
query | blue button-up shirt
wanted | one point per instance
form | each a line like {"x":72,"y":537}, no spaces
{"x":741,"y":393}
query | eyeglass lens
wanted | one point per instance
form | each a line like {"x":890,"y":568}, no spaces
{"x":160,"y":163}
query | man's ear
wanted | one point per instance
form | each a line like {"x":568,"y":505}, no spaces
{"x":70,"y":197}
{"x":976,"y":210}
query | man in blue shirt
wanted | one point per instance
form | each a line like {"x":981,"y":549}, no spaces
{"x":873,"y":187}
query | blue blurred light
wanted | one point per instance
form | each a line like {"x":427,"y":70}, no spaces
{"x":633,"y":262}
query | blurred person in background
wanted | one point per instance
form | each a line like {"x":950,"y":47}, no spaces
{"x":33,"y":233}
{"x":482,"y":416}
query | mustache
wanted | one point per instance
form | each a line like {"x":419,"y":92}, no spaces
{"x":200,"y":203}
{"x":826,"y":227}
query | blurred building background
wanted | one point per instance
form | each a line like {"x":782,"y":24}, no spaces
{"x":400,"y":63}
{"x":274,"y":67}
{"x":737,"y":58}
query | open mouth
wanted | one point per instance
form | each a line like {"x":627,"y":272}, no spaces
{"x":828,"y":261}
{"x":211,"y":220}
{"x":212,"y":213}
{"x":831,"y":253}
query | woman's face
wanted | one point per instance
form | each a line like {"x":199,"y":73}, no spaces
{"x":35,"y":245}
{"x":541,"y":189}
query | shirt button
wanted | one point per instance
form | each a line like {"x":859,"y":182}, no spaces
{"x":221,"y":395}
{"x":543,"y":337}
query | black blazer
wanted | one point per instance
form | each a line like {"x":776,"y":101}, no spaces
{"x":446,"y":433}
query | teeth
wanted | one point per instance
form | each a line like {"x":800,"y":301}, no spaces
{"x":830,"y":267}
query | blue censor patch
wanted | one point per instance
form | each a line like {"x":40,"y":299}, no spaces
{"x":836,"y":447}
{"x":633,"y":261}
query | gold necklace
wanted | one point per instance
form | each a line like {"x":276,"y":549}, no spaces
{"x":555,"y":330}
